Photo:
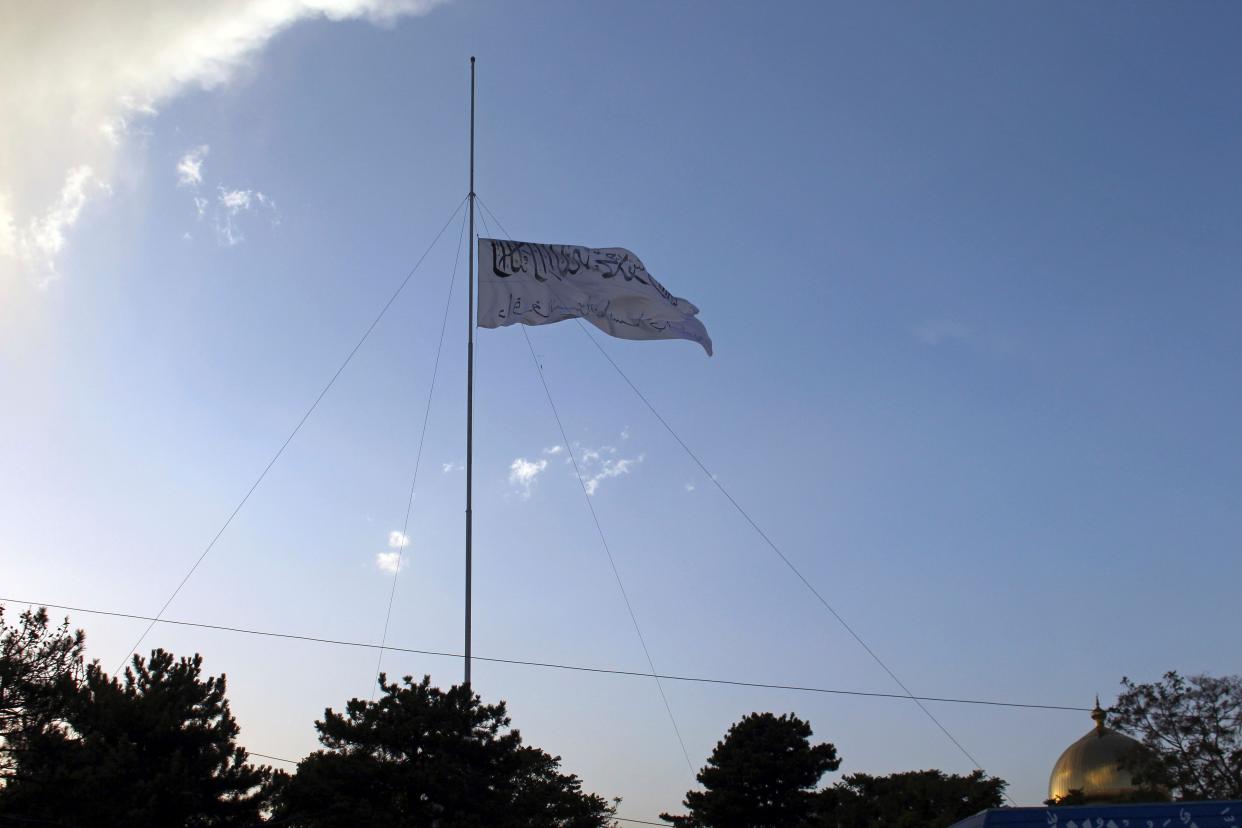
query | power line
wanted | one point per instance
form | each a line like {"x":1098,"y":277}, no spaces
{"x":604,"y":542}
{"x":273,"y":758}
{"x":418,"y":457}
{"x":784,"y":559}
{"x":771,"y":544}
{"x":289,"y":439}
{"x":551,"y":664}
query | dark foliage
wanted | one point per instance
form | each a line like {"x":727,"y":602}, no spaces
{"x":763,"y":773}
{"x":156,"y":750}
{"x":1076,"y":797}
{"x":914,"y":799}
{"x":1193,"y":727}
{"x":40,"y":669}
{"x":421,"y":756}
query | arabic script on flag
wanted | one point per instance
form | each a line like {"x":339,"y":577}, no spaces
{"x":537,"y":284}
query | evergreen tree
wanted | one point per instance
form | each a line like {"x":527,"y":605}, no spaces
{"x":40,"y":669}
{"x":761,"y":775}
{"x":156,"y":750}
{"x":421,"y":756}
{"x":913,"y":799}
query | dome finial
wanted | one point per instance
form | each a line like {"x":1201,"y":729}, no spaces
{"x":1095,"y":764}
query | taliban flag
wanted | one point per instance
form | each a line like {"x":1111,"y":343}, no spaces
{"x":536,"y":284}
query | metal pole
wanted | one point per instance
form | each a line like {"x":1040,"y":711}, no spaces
{"x":470,"y":380}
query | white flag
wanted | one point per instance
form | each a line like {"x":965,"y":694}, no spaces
{"x":536,"y":284}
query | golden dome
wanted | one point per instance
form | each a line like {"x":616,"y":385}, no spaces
{"x":1093,"y":764}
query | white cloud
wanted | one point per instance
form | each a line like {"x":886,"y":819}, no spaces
{"x":451,"y":467}
{"x":609,"y":468}
{"x":554,"y":450}
{"x":234,"y":200}
{"x":44,"y":235}
{"x":390,"y":561}
{"x":690,"y":487}
{"x":522,"y":473}
{"x":231,"y":206}
{"x":82,"y":76}
{"x":625,"y":433}
{"x":588,"y":456}
{"x":226,"y":212}
{"x":190,"y":167}
{"x":595,"y":465}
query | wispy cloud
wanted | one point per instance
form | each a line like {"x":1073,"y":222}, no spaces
{"x":396,"y":539}
{"x":37,"y":244}
{"x":224,"y":213}
{"x":451,"y":467}
{"x":235,"y":200}
{"x":522,"y":474}
{"x":690,"y":487}
{"x":597,"y":464}
{"x":230,"y":208}
{"x":190,"y":167}
{"x":93,"y":73}
{"x":609,"y":468}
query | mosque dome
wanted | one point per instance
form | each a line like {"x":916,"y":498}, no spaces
{"x":1093,"y":764}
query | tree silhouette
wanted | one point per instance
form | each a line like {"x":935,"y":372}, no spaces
{"x":914,"y":799}
{"x":158,"y":749}
{"x":1193,"y":727}
{"x":40,"y":669}
{"x":761,"y":774}
{"x":421,"y":756}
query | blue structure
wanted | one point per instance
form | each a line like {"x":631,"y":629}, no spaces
{"x":1221,"y":814}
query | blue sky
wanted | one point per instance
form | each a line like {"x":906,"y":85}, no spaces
{"x":971,"y":271}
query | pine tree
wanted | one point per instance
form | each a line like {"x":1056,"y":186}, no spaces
{"x":421,"y":756}
{"x":157,"y":749}
{"x":761,"y":775}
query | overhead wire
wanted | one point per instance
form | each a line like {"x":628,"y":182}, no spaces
{"x":158,"y":618}
{"x":764,"y":535}
{"x":403,"y":541}
{"x":273,"y":758}
{"x":550,"y":664}
{"x":289,"y":439}
{"x":784,"y":558}
{"x":602,"y":539}
{"x":611,"y":561}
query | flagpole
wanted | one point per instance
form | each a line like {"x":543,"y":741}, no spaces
{"x":470,"y":380}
